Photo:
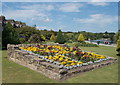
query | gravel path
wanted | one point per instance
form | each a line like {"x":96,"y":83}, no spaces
{"x":112,"y":45}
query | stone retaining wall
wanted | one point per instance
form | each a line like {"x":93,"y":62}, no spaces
{"x":48,"y":69}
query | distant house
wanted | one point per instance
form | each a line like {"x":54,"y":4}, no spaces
{"x":15,"y":24}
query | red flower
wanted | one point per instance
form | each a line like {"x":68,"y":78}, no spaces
{"x":38,"y":46}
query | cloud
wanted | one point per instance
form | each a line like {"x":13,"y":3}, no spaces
{"x":40,"y":7}
{"x":98,"y":3}
{"x":70,"y":7}
{"x":39,"y":28}
{"x":25,"y":14}
{"x":47,"y":20}
{"x":60,"y":0}
{"x":99,"y":0}
{"x":104,"y":1}
{"x":98,"y":22}
{"x":98,"y":19}
{"x":43,"y":28}
{"x":31,"y":13}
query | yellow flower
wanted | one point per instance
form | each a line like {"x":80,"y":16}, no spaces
{"x":101,"y":57}
{"x":50,"y":57}
{"x":88,"y":53}
{"x":69,"y":61}
{"x":67,"y":65}
{"x":80,"y":62}
{"x":60,"y":59}
{"x":56,"y":57}
{"x":47,"y":50}
{"x":74,"y":52}
{"x":22,"y":47}
{"x":71,"y":48}
{"x":72,"y":63}
{"x":63,"y":63}
{"x":46,"y":56}
{"x":66,"y":59}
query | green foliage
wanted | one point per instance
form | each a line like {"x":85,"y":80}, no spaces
{"x":116,"y":36}
{"x":46,"y":33}
{"x":9,"y":35}
{"x":22,"y":40}
{"x":34,"y":38}
{"x":118,"y":44}
{"x":80,"y":38}
{"x":70,"y":36}
{"x":52,"y":38}
{"x":84,"y":44}
{"x":60,"y":38}
{"x":27,"y":32}
{"x":43,"y":38}
{"x":31,"y":34}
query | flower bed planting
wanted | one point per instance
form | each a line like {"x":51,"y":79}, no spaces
{"x":67,"y":57}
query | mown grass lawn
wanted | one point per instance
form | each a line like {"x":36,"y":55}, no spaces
{"x":14,"y":73}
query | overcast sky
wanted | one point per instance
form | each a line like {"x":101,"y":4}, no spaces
{"x":68,"y":16}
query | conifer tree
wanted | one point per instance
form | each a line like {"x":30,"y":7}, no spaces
{"x":81,"y":38}
{"x":52,"y":38}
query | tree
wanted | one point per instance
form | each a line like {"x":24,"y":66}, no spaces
{"x":22,"y":40}
{"x":116,"y":36}
{"x":52,"y":38}
{"x":9,"y":35}
{"x":81,"y":38}
{"x":43,"y":38}
{"x":60,"y":38}
{"x":34,"y":38}
{"x":118,"y":45}
{"x":70,"y":36}
{"x":27,"y":32}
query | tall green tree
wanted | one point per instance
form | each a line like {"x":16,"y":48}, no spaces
{"x":9,"y":35}
{"x":116,"y":36}
{"x":52,"y":38}
{"x":118,"y":45}
{"x":81,"y":38}
{"x":60,"y":38}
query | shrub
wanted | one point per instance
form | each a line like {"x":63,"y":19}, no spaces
{"x":85,"y":44}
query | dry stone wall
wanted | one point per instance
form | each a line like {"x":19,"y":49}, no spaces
{"x":50,"y":70}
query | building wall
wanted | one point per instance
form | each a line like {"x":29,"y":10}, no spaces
{"x":16,"y":24}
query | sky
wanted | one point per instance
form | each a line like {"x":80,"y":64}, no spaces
{"x":67,"y":16}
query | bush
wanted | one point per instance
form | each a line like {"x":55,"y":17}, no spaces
{"x":70,"y":41}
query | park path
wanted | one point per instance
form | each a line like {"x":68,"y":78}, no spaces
{"x":112,"y":45}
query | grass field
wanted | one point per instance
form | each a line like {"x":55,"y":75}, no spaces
{"x":14,"y":73}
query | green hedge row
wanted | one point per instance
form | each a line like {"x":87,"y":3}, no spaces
{"x":86,"y":45}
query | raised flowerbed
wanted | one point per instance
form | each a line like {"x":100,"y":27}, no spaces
{"x":56,"y":61}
